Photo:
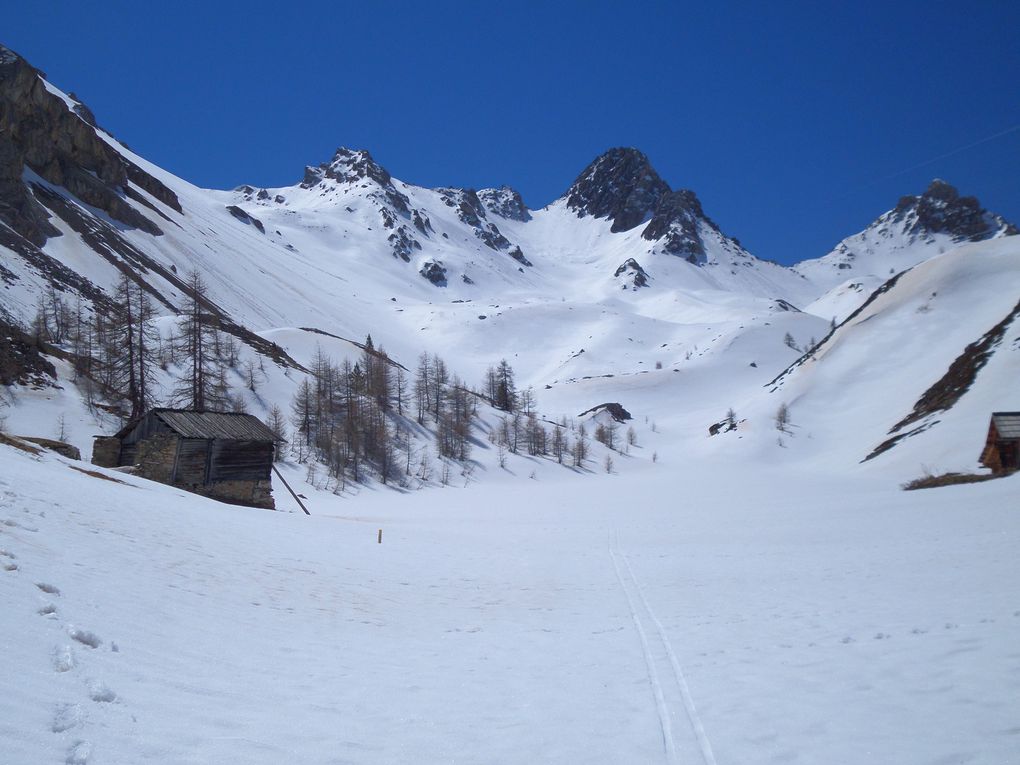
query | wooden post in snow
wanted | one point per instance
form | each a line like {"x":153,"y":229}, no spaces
{"x":296,"y":499}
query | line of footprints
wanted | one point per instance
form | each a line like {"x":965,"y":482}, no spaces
{"x":69,"y":718}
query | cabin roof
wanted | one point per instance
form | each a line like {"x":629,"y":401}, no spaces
{"x":230,"y":426}
{"x":1007,"y":424}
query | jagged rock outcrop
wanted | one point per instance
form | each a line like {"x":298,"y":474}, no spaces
{"x":245,"y":218}
{"x":941,"y":210}
{"x":434,"y":271}
{"x":40,"y":132}
{"x":623,"y":186}
{"x":620,"y":185}
{"x":351,"y":166}
{"x":505,"y":202}
{"x":356,"y":167}
{"x":472,"y":212}
{"x":613,"y":408}
{"x":676,"y":221}
{"x":633,"y":274}
{"x":21,"y":359}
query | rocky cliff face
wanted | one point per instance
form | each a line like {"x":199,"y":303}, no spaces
{"x":620,"y":185}
{"x":941,"y":210}
{"x":505,"y":202}
{"x":42,"y":133}
{"x":623,"y":186}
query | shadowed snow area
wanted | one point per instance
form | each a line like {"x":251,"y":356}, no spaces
{"x":676,"y":614}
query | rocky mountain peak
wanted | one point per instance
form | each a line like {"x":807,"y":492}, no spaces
{"x":505,"y":202}
{"x":620,"y":185}
{"x":7,"y":56}
{"x":348,"y":166}
{"x":941,"y":210}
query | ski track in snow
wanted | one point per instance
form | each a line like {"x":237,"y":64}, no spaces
{"x":666,"y":710}
{"x":665,"y":715}
{"x":692,"y":713}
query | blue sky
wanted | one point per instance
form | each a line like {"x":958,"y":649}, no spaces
{"x":796,"y":123}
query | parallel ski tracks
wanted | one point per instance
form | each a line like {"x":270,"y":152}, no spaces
{"x":686,"y":741}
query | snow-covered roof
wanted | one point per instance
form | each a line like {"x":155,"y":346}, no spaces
{"x":225,"y":425}
{"x":1007,"y":424}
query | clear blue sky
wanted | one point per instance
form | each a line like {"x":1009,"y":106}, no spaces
{"x":796,"y":123}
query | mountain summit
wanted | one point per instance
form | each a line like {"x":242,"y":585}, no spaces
{"x":622,"y":185}
{"x":941,"y":210}
{"x":917,"y":228}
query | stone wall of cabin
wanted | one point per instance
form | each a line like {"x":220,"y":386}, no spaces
{"x":156,"y":457}
{"x":250,"y":493}
{"x":106,"y":452}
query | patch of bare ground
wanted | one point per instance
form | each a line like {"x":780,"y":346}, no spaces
{"x":929,"y":481}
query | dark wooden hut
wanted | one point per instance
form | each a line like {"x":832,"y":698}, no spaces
{"x":221,"y":455}
{"x":1002,"y":447}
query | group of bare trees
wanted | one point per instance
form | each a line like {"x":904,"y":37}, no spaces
{"x":355,"y":417}
{"x":117,"y":350}
{"x":341,"y":415}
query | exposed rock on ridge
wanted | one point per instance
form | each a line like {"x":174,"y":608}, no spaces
{"x":505,"y":202}
{"x":620,"y":185}
{"x":39,"y":132}
{"x":941,"y":210}
{"x":623,"y":186}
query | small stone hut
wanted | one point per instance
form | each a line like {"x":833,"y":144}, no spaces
{"x":1002,"y":447}
{"x":221,"y":455}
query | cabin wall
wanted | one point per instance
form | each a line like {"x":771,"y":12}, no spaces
{"x":106,"y":452}
{"x":990,"y":454}
{"x":147,"y":427}
{"x":1009,"y":454}
{"x":192,"y":463}
{"x":240,"y":461}
{"x":249,"y":493}
{"x":156,"y":456}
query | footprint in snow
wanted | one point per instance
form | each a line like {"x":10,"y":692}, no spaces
{"x":11,"y":523}
{"x":49,"y":589}
{"x":79,"y":753}
{"x":63,"y":659}
{"x":49,"y":610}
{"x":882,"y":636}
{"x":101,"y":692}
{"x":85,"y":637}
{"x":847,"y":640}
{"x":10,"y":567}
{"x":67,"y":716}
{"x":7,"y":554}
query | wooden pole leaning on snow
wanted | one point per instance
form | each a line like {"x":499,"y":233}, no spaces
{"x":295,"y":496}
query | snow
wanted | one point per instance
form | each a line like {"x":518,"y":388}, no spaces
{"x":755,"y":596}
{"x":582,"y":619}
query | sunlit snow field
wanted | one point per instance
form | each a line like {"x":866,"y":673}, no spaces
{"x":547,"y":620}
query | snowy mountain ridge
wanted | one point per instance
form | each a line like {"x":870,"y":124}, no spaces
{"x":917,"y":228}
{"x":621,"y":290}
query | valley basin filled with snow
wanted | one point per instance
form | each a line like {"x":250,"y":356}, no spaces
{"x":677,"y":613}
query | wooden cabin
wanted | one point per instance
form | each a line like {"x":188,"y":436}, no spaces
{"x":221,"y":455}
{"x":1002,"y":447}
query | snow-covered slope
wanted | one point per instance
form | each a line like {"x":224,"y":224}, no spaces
{"x":912,"y":376}
{"x":621,"y":290}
